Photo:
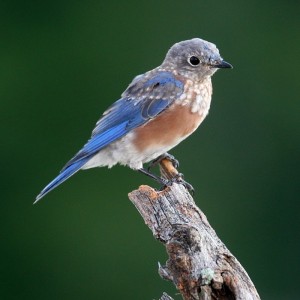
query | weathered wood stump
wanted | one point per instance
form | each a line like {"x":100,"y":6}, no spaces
{"x":199,"y":264}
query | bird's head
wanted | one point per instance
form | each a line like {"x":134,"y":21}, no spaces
{"x":195,"y":58}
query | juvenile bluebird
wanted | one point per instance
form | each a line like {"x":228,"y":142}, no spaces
{"x":156,"y":112}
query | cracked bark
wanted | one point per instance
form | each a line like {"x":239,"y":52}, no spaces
{"x":199,"y":264}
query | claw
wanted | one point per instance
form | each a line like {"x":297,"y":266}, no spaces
{"x":179,"y":179}
{"x":168,"y":156}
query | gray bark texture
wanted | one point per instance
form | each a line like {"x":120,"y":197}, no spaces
{"x":199,"y":264}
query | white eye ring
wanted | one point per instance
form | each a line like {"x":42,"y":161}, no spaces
{"x":194,"y":61}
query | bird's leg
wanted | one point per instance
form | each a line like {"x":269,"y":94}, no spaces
{"x":172,"y":172}
{"x":168,"y":170}
{"x":178,"y":178}
{"x":167,"y":156}
{"x":158,"y":179}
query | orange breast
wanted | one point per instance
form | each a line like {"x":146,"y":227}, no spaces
{"x":168,"y":128}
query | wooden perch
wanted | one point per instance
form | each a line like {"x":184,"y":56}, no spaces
{"x":199,"y":264}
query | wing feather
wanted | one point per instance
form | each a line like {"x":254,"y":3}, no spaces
{"x":146,"y":97}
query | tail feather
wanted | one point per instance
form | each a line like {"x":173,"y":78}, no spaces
{"x":63,"y":176}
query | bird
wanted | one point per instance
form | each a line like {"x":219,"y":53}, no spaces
{"x":157,"y":111}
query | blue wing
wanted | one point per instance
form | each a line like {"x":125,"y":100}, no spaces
{"x":145,"y":98}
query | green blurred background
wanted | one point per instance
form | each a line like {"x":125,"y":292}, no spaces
{"x":63,"y":63}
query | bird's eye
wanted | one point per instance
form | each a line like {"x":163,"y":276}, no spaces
{"x":194,"y":61}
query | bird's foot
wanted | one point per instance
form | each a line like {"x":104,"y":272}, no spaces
{"x":167,"y":156}
{"x":179,"y":179}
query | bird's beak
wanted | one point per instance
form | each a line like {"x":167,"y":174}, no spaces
{"x":223,"y":65}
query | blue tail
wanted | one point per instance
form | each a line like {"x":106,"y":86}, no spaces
{"x":63,"y":176}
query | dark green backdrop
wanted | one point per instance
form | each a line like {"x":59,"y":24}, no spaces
{"x":63,"y":62}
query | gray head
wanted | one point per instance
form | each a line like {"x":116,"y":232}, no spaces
{"x":195,"y":58}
